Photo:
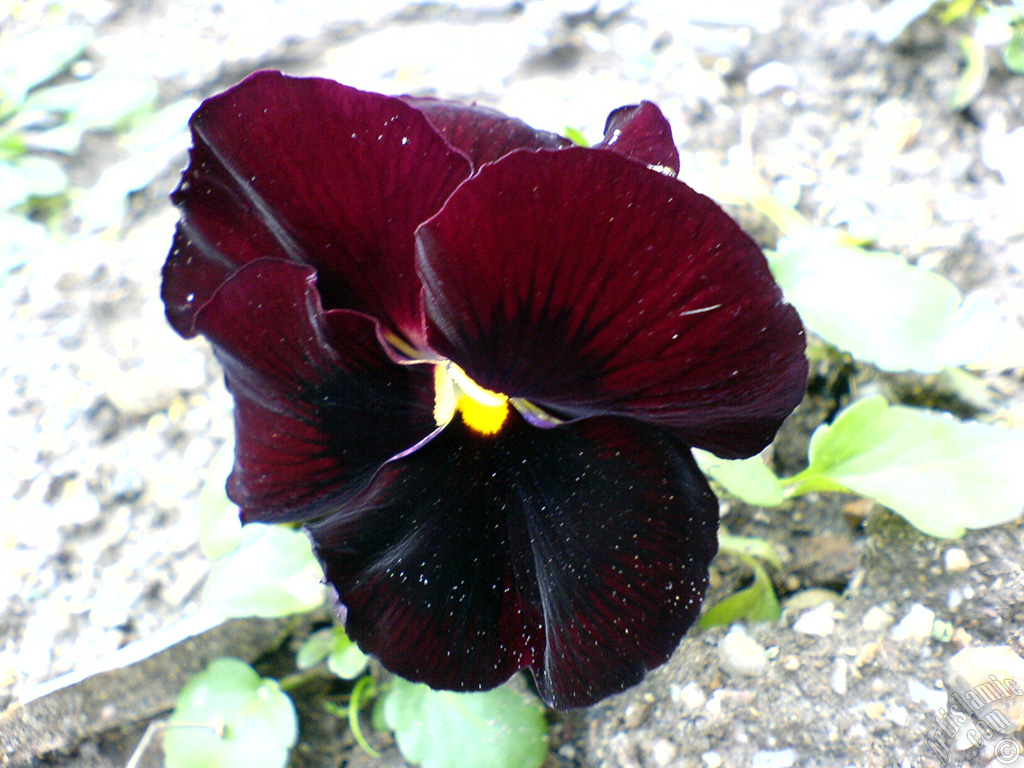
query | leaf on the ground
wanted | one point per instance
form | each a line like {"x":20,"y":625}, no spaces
{"x":974,"y":74}
{"x":220,"y":526}
{"x":748,"y":546}
{"x":879,"y":308}
{"x":575,"y":135}
{"x":108,"y":100}
{"x":344,"y":658}
{"x":1013,"y":51}
{"x":35,"y":57}
{"x":272,"y":573}
{"x":754,"y":603}
{"x":750,"y":480}
{"x":942,"y":475}
{"x":227,"y":716}
{"x":500,"y":728}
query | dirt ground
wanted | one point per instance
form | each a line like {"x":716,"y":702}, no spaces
{"x":110,"y":420}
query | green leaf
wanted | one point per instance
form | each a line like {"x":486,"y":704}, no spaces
{"x":106,"y":100}
{"x":229,"y":717}
{"x":575,"y":135}
{"x":501,"y":728}
{"x":746,"y":547}
{"x":750,"y":480}
{"x":272,"y":573}
{"x":754,"y":603}
{"x":879,"y":308}
{"x":220,"y":525}
{"x":315,"y":649}
{"x":956,"y":10}
{"x":975,"y":72}
{"x":942,"y":475}
{"x":344,"y":658}
{"x":33,"y":58}
{"x":1013,"y":51}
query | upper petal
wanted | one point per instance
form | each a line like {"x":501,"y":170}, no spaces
{"x":580,"y":552}
{"x":482,"y":133}
{"x":641,"y":133}
{"x":589,"y":284}
{"x":319,"y":406}
{"x":315,"y":172}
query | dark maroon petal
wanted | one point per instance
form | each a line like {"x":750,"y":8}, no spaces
{"x":641,"y":133}
{"x":319,"y":406}
{"x":482,"y":133}
{"x":580,"y":552}
{"x":589,"y":284}
{"x":312,"y":171}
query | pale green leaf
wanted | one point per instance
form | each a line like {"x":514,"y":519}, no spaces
{"x":220,"y":525}
{"x":272,"y":573}
{"x":879,"y":308}
{"x":575,"y":135}
{"x":35,"y":57}
{"x":229,"y":717}
{"x":315,"y":649}
{"x":750,"y":480}
{"x":105,"y":101}
{"x":501,"y":728}
{"x":1013,"y":51}
{"x":746,"y":547}
{"x":344,"y":658}
{"x":942,"y":475}
{"x":973,"y":76}
{"x":757,"y":602}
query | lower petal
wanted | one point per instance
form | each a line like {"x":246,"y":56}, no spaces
{"x":579,"y":551}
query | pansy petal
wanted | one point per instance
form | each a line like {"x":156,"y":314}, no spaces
{"x":482,"y":133}
{"x":641,"y":133}
{"x":589,"y":285}
{"x":319,"y":406}
{"x":580,"y":552}
{"x":315,"y":172}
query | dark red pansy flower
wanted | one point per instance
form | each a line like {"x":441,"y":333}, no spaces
{"x":472,"y":358}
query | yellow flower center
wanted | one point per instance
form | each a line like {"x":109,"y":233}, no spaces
{"x":482,"y":410}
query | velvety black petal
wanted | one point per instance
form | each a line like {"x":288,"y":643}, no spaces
{"x":482,"y":133}
{"x":642,"y":133}
{"x":589,"y":284}
{"x":319,"y":406}
{"x":315,"y":172}
{"x":580,"y":552}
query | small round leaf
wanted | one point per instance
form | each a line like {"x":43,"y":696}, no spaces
{"x":229,"y":717}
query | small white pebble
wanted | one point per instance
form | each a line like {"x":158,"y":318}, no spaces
{"x":712,"y":759}
{"x":818,"y":621}
{"x":691,"y":696}
{"x":876,"y":618}
{"x":663,"y":752}
{"x":898,"y":714}
{"x":916,"y":625}
{"x":838,"y":679}
{"x":741,"y":655}
{"x":779,"y":758}
{"x":956,"y":560}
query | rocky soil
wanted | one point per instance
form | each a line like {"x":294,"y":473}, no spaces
{"x":110,"y":420}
